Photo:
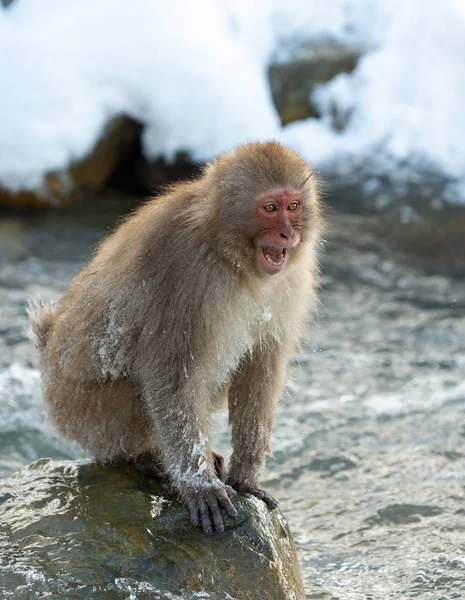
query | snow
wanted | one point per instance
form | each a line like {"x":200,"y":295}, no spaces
{"x":407,"y":95}
{"x":195,"y":73}
{"x":192,"y":72}
{"x":267,"y":315}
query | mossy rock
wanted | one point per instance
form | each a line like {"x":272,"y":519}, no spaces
{"x":89,"y":531}
{"x":294,"y":78}
{"x":86,"y":174}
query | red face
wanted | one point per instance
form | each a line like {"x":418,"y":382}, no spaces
{"x":279,"y":213}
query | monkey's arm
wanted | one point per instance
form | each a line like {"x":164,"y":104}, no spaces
{"x":181,"y":436}
{"x":252,"y":401}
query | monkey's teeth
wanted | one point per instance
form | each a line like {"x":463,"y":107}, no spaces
{"x":277,"y":261}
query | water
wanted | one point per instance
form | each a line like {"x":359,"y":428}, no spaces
{"x":369,"y":439}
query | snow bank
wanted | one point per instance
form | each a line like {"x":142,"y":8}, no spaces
{"x":195,"y":74}
{"x":406,"y":97}
{"x":192,"y":71}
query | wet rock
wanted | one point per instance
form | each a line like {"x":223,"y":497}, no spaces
{"x":403,"y":514}
{"x":453,"y":455}
{"x":437,"y":240}
{"x":380,"y":184}
{"x":327,"y":466}
{"x":332,"y":464}
{"x":435,"y":245}
{"x":84,"y":529}
{"x":89,"y":173}
{"x":12,"y":244}
{"x":294,"y":77}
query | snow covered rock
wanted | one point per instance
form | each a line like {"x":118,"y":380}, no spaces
{"x":294,"y":77}
{"x":193,"y":76}
{"x":88,"y":173}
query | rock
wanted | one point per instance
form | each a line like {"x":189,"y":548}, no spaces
{"x":294,"y":77}
{"x":332,"y":464}
{"x":436,"y":240}
{"x":135,"y":175}
{"x":381,"y":184}
{"x":117,"y":139}
{"x":372,"y":181}
{"x":12,"y":245}
{"x":90,"y":173}
{"x":403,"y":513}
{"x":88,"y":531}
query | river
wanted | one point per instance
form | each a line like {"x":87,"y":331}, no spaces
{"x":369,"y":438}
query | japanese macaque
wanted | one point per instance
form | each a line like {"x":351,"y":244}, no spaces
{"x":201,"y":295}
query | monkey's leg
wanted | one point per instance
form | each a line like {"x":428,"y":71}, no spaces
{"x":218,"y":401}
{"x":150,"y":465}
{"x":108,"y":419}
{"x":252,"y":402}
{"x":219,"y":463}
{"x":180,"y":424}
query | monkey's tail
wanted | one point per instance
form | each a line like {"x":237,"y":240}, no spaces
{"x":40,"y":322}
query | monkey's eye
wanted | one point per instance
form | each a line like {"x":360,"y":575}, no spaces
{"x":269,"y":208}
{"x":293,"y":206}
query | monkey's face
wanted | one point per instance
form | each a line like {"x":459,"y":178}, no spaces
{"x":279,"y":216}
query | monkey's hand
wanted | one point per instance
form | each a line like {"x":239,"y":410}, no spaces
{"x":204,"y":501}
{"x":256,"y":490}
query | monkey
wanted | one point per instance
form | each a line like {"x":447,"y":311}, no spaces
{"x":197,"y":299}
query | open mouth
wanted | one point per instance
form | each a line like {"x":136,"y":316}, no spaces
{"x":274,"y":258}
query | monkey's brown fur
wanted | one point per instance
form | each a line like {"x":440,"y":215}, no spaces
{"x":169,"y":316}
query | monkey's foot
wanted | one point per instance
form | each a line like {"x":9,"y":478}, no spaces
{"x":204,"y":501}
{"x":150,"y":467}
{"x":220,"y":465}
{"x":255,"y":490}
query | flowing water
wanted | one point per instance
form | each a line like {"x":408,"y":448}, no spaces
{"x":369,"y":439}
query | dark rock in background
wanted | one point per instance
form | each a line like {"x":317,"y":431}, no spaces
{"x":90,"y":173}
{"x":293,"y":79}
{"x":115,"y":164}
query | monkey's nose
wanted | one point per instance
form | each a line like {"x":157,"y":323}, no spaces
{"x":286,"y":231}
{"x":289,"y":236}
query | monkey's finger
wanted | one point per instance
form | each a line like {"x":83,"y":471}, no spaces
{"x":230,"y":491}
{"x":228,"y":506}
{"x":194,"y":513}
{"x":269,"y":501}
{"x":217,"y":519}
{"x":260,"y":494}
{"x":205,"y":516}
